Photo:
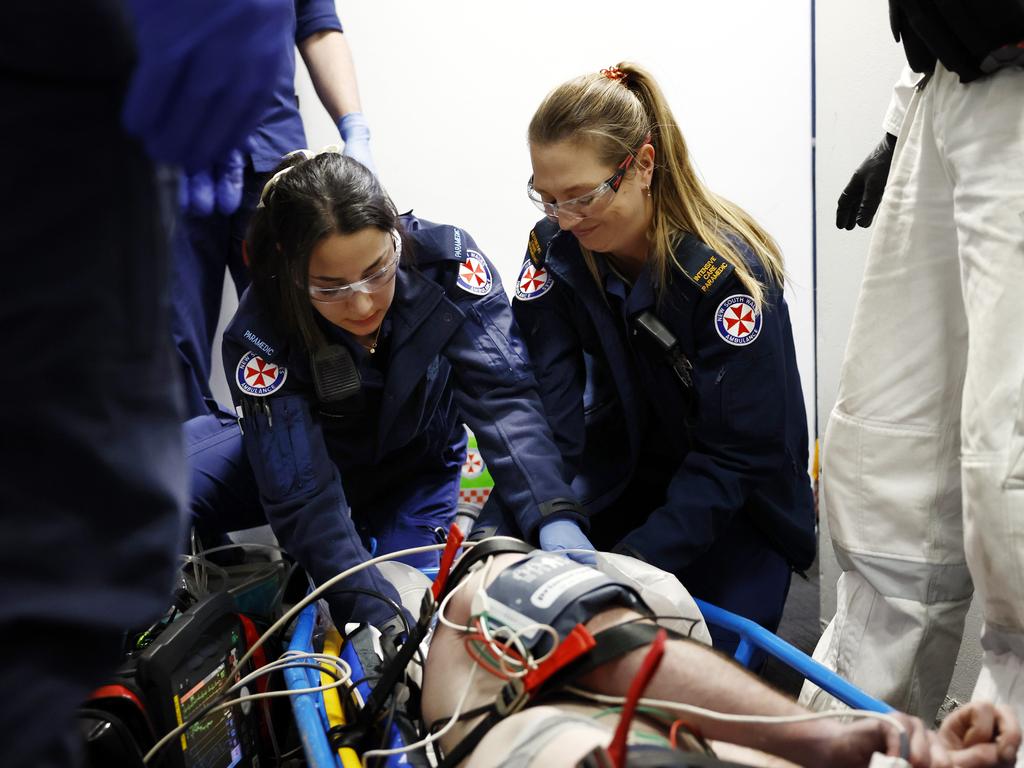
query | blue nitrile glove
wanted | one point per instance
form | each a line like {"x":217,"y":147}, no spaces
{"x":565,"y":534}
{"x":195,"y":193}
{"x":355,"y":132}
{"x":204,"y":75}
{"x":200,"y":192}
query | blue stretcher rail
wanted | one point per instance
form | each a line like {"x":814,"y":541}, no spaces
{"x":312,"y":723}
{"x":754,"y":636}
{"x":310,"y":716}
{"x":308,"y":708}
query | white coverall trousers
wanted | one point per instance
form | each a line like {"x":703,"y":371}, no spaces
{"x":923,"y":463}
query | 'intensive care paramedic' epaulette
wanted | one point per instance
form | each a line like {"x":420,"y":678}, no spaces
{"x":701,"y":264}
{"x":540,"y":236}
{"x":534,"y":250}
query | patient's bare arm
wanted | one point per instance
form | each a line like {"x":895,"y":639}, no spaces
{"x":694,"y":674}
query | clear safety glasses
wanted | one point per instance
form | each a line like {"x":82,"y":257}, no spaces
{"x":371,"y":284}
{"x":590,"y":204}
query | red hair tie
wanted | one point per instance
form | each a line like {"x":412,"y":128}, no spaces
{"x":614,"y":73}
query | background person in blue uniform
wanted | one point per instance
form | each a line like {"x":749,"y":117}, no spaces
{"x":111,"y":87}
{"x":654,"y":315}
{"x":210,"y":232}
{"x":419,"y":311}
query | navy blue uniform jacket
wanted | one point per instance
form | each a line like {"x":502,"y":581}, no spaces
{"x":454,"y":356}
{"x":280,"y":130}
{"x":737,"y":433}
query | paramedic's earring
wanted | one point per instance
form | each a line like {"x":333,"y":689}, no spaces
{"x":646,"y":189}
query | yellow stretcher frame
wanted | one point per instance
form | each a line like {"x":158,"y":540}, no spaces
{"x":332,"y":701}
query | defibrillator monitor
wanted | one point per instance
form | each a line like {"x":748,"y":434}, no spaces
{"x":183,"y":670}
{"x":214,"y":740}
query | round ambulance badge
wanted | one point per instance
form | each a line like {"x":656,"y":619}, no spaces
{"x":474,"y":275}
{"x":255,"y":376}
{"x":474,"y":464}
{"x":737,"y":320}
{"x":533,"y":282}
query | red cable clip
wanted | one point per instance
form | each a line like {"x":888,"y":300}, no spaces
{"x":455,"y":539}
{"x":578,"y":642}
{"x":617,"y":749}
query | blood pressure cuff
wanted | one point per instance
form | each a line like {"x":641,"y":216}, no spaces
{"x":545,"y":588}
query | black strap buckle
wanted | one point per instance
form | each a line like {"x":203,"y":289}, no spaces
{"x":511,"y":698}
{"x":666,"y":341}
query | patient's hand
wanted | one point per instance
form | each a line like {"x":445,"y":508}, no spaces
{"x":852,"y":744}
{"x":981,"y":734}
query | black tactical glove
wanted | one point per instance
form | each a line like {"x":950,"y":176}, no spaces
{"x":860,"y":199}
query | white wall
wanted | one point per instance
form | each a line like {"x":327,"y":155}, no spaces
{"x":857,"y":62}
{"x":449,"y":88}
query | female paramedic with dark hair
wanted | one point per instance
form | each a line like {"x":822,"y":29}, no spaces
{"x":654,"y":315}
{"x":365,"y":343}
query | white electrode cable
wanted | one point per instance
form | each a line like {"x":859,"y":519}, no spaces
{"x":431,"y":738}
{"x":711,"y":714}
{"x":282,"y":622}
{"x":316,"y":593}
{"x":448,"y":598}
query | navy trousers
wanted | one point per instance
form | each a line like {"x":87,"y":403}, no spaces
{"x":394,"y":507}
{"x":202,"y":247}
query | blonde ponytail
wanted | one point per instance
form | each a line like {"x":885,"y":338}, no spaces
{"x":614,"y":111}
